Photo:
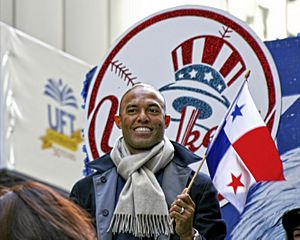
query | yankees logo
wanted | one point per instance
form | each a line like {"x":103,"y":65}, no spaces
{"x":197,"y":57}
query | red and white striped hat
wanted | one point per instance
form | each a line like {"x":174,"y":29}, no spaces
{"x":212,"y":52}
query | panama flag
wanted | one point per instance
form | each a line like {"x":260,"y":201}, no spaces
{"x":242,"y":151}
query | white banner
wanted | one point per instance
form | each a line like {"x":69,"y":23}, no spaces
{"x":41,"y":115}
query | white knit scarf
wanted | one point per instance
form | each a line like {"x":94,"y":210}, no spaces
{"x":141,"y":209}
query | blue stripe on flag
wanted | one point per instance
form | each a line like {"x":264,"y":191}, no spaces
{"x":217,"y":151}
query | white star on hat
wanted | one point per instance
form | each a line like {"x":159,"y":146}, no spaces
{"x":208,"y":76}
{"x":193,"y":73}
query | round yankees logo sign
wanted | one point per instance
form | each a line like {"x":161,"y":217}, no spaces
{"x":197,"y":57}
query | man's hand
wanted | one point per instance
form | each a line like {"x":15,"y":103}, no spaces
{"x":182,"y":211}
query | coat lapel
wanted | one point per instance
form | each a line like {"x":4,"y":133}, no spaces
{"x":175,"y":179}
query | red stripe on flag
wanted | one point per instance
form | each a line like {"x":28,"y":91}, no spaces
{"x":258,"y":151}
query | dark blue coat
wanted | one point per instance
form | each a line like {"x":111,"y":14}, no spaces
{"x":107,"y":185}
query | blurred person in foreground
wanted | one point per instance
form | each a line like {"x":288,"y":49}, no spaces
{"x":291,"y":224}
{"x":32,"y":210}
{"x":141,"y":184}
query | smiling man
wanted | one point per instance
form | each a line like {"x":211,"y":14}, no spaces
{"x":141,"y":184}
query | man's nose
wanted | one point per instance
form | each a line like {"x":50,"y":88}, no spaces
{"x":143,"y":116}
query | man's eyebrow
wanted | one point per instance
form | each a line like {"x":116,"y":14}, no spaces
{"x":131,"y":105}
{"x":154,"y":105}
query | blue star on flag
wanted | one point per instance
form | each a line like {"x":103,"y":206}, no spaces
{"x":237,"y":111}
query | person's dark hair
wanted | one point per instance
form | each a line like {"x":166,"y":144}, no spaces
{"x":34,"y":211}
{"x":290,"y":220}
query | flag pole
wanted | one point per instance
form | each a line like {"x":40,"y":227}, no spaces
{"x":204,"y":158}
{"x":247,"y":74}
{"x":195,"y":174}
{"x":192,"y":181}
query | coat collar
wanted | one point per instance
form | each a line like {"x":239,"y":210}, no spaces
{"x":102,"y":164}
{"x":182,"y":157}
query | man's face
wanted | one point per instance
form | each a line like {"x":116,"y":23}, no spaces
{"x":142,"y":119}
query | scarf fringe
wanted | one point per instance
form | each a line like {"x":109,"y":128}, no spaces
{"x":141,"y":225}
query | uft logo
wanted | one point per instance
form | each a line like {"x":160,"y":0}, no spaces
{"x":61,"y":121}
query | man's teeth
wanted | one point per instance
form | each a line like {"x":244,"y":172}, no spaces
{"x":142,"y":129}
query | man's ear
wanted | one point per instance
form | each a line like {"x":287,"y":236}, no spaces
{"x":167,"y":120}
{"x":117,"y":119}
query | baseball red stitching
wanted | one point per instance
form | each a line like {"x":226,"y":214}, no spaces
{"x":122,"y":71}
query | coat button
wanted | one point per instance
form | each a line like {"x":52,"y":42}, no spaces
{"x":103,"y":179}
{"x":105,"y":212}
